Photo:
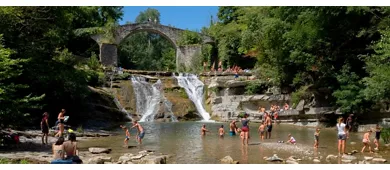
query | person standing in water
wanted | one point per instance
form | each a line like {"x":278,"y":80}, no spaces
{"x":366,"y":141}
{"x":203,"y":130}
{"x":233,"y":128}
{"x":45,"y":127}
{"x":316,"y":137}
{"x":221,"y":131}
{"x":140,"y":130}
{"x":377,"y":136}
{"x":261,"y":131}
{"x":61,"y":124}
{"x":245,"y":129}
{"x":127,"y":133}
{"x":268,"y":122}
{"x":341,"y":135}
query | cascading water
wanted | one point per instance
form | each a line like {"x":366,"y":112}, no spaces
{"x":194,"y":89}
{"x":148,"y":98}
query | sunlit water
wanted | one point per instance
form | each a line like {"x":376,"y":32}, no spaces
{"x":183,"y":141}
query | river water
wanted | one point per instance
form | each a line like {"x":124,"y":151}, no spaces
{"x":183,"y":141}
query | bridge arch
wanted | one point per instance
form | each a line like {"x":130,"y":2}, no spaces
{"x":108,"y":52}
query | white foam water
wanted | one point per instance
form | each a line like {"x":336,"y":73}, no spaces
{"x":194,"y":89}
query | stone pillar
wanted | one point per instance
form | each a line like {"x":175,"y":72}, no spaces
{"x":187,"y":57}
{"x":108,"y":55}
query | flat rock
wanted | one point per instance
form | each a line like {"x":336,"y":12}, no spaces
{"x":153,"y":160}
{"x":346,"y":160}
{"x":274,"y":158}
{"x":354,"y":151}
{"x":124,"y":159}
{"x":99,"y":150}
{"x":99,"y":160}
{"x":107,"y":162}
{"x":368,"y":158}
{"x":291,"y":162}
{"x":380,"y":160}
{"x":353,"y":143}
{"x":139,"y":156}
{"x":316,"y":161}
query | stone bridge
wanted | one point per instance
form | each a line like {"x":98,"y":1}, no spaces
{"x":184,"y":54}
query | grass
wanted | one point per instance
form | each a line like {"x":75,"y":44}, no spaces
{"x":80,"y":129}
{"x":9,"y":161}
{"x":385,"y":135}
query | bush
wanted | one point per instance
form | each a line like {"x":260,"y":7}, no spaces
{"x":80,"y":129}
{"x":254,"y":87}
{"x":299,"y":95}
{"x":385,"y":135}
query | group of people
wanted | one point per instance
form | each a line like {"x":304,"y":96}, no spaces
{"x":343,"y":134}
{"x":235,"y":69}
{"x":140,"y":133}
{"x":64,"y":152}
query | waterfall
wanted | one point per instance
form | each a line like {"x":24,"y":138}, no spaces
{"x":194,"y":89}
{"x":148,"y":98}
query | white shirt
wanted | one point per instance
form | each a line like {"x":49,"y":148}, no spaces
{"x":341,"y":128}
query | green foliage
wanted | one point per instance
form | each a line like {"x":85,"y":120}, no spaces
{"x":385,"y":135}
{"x":300,"y":94}
{"x":80,"y":129}
{"x":254,"y":87}
{"x":189,"y":38}
{"x":23,"y":161}
{"x":151,"y":13}
{"x":94,"y":63}
{"x":4,"y":161}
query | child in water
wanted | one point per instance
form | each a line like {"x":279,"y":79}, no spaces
{"x":366,"y":141}
{"x":316,"y":137}
{"x":291,"y":139}
{"x":221,"y":131}
{"x":126,"y":141}
{"x":261,"y":131}
{"x":377,"y":136}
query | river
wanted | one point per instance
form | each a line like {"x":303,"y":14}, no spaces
{"x":183,"y":141}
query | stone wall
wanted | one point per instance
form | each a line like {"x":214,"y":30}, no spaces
{"x":186,"y":56}
{"x":108,"y":54}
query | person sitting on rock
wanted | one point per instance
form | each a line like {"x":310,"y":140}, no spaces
{"x":291,"y":139}
{"x":70,"y":148}
{"x":59,"y":152}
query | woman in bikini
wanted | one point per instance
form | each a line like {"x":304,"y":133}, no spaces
{"x":245,"y":129}
{"x":58,"y":149}
{"x":61,"y":120}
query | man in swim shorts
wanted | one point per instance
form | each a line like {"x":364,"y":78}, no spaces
{"x":233,"y":128}
{"x":268,"y":122}
{"x":141,"y":132}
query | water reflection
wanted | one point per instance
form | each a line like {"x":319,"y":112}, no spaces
{"x":244,"y":154}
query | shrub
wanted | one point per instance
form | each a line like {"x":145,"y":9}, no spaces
{"x":80,"y":129}
{"x":385,"y":135}
{"x":254,"y":87}
{"x":299,"y":95}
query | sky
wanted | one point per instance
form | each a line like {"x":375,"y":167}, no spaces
{"x":183,"y":17}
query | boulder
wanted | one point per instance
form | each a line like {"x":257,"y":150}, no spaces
{"x":99,"y":150}
{"x":235,"y":83}
{"x":368,"y":158}
{"x":354,"y":151}
{"x":348,"y":157}
{"x":300,"y":105}
{"x":153,"y":160}
{"x":380,"y":160}
{"x":216,"y":100}
{"x":353,"y":143}
{"x":316,"y":161}
{"x":228,"y":160}
{"x":274,"y":158}
{"x":293,"y":158}
{"x":99,"y":160}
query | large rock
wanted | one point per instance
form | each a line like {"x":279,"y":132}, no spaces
{"x":99,"y":160}
{"x":316,"y":161}
{"x":346,"y":161}
{"x":124,"y":159}
{"x":235,"y":83}
{"x":139,"y":156}
{"x":380,"y":160}
{"x":99,"y":150}
{"x":300,"y":105}
{"x":228,"y":160}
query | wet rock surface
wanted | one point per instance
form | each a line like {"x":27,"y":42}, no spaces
{"x":99,"y":150}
